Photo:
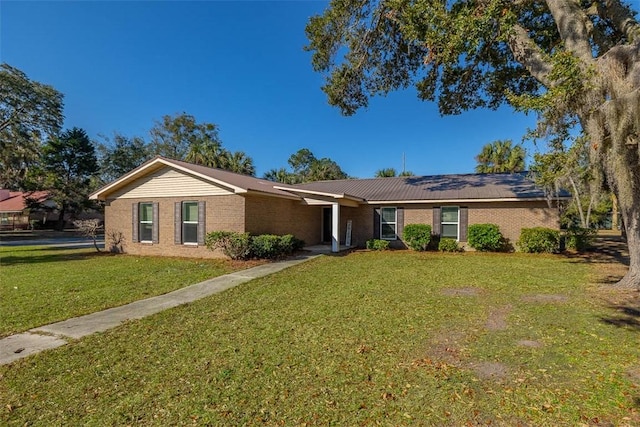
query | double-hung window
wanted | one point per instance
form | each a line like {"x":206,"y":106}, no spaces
{"x":450,"y":222}
{"x":388,"y":223}
{"x":145,"y":218}
{"x":190,"y":222}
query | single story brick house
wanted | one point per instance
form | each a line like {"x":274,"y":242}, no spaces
{"x":166,"y":207}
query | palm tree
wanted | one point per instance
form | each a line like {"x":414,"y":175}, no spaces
{"x":207,"y":153}
{"x":391,"y":172}
{"x":281,"y":175}
{"x":500,"y":157}
{"x":239,"y":162}
{"x":386,"y":173}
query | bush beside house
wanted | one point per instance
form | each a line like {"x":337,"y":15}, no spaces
{"x":579,"y":239}
{"x":377,"y":245}
{"x":417,"y":236}
{"x":539,"y":240}
{"x":242,"y":246}
{"x":449,"y":245}
{"x":486,"y":238}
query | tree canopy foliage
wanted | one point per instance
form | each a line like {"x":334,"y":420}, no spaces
{"x":306,"y":168}
{"x":391,"y":172}
{"x":29,"y":113}
{"x":68,"y":165}
{"x":175,"y":136}
{"x":500,"y":157}
{"x":575,"y":63}
{"x":121,"y":156}
{"x":181,"y":137}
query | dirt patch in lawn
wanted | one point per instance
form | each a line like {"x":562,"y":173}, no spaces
{"x":497,"y":320}
{"x":463,"y":292}
{"x":449,"y":350}
{"x":490,"y":370}
{"x":447,"y":347}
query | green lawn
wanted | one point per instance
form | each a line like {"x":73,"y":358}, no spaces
{"x":393,"y":338}
{"x":40,"y":285}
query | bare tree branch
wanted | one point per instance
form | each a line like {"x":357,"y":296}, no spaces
{"x":573,"y":26}
{"x":530,"y":55}
{"x":621,"y":17}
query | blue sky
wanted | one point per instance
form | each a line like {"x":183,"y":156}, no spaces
{"x":122,"y":65}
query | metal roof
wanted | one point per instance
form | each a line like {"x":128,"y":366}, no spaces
{"x":465,"y":187}
{"x":436,"y":187}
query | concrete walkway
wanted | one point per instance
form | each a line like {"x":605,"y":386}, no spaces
{"x":58,"y":334}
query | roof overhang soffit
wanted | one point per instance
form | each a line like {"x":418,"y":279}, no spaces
{"x":321,"y":198}
{"x":325,"y":201}
{"x":441,"y":201}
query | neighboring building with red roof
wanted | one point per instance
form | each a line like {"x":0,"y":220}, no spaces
{"x":166,"y":207}
{"x":14,"y":209}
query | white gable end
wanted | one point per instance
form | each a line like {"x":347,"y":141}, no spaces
{"x":168,"y":182}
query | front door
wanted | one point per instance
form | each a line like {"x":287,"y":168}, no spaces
{"x":326,"y":225}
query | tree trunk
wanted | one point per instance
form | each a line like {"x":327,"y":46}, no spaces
{"x":631,"y":220}
{"x":621,"y":165}
{"x":614,"y":129}
{"x":95,"y":243}
{"x":60,"y":222}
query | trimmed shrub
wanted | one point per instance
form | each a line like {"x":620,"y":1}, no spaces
{"x":233,"y":244}
{"x":377,"y":244}
{"x":448,"y":245}
{"x":539,"y":239}
{"x":580,"y":239}
{"x":485,"y":237}
{"x":266,"y":246}
{"x":243,"y":246}
{"x":289,"y":244}
{"x":417,"y":236}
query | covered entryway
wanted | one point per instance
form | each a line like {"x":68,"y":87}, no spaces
{"x":330,"y":203}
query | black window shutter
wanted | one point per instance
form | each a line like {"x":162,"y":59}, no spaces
{"x":436,"y":226}
{"x":134,"y":222}
{"x":464,"y":221}
{"x":156,"y":218}
{"x":400,"y":225}
{"x":376,"y":223}
{"x":202,"y":222}
{"x":177,"y":223}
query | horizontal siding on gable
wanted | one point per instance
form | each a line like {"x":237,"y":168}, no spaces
{"x":168,"y":182}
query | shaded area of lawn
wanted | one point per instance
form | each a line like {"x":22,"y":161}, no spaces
{"x":43,"y":285}
{"x":370,"y":338}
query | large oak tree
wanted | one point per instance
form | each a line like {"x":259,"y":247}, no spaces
{"x":29,"y":113}
{"x":576,"y":63}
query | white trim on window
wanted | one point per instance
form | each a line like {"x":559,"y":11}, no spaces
{"x":142,"y":221}
{"x":456,"y":222}
{"x":191,"y":222}
{"x":389,"y":224}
